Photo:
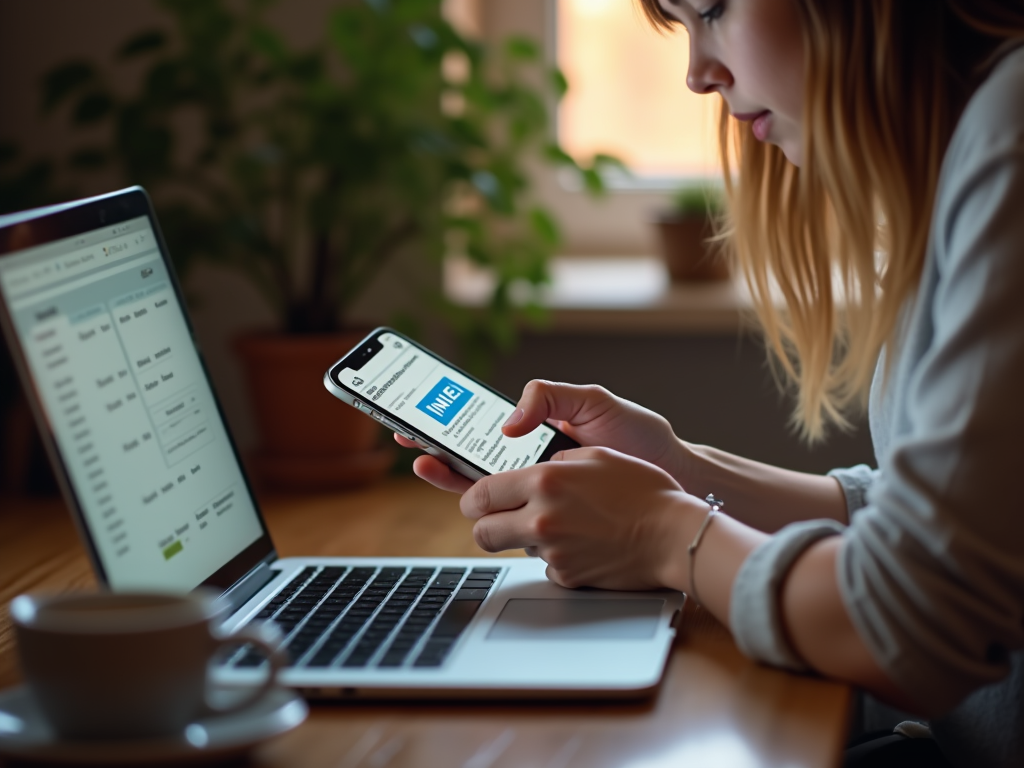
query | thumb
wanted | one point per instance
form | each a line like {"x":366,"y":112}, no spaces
{"x":546,"y":400}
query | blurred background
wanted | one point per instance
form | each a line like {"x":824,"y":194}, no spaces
{"x":488,"y":176}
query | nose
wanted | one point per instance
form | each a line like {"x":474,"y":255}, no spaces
{"x":706,"y":74}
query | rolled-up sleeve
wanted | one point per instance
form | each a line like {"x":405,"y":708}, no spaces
{"x":855,"y":482}
{"x":754,"y":611}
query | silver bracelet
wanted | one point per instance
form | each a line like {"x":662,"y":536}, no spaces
{"x":691,"y":551}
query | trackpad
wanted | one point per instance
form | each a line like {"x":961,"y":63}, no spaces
{"x":577,"y":619}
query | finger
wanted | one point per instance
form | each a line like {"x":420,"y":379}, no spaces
{"x":531,"y":551}
{"x":404,"y":441}
{"x":554,"y":576}
{"x":505,"y":530}
{"x":586,"y":453}
{"x":547,"y":400}
{"x":497,"y":493}
{"x":440,"y":474}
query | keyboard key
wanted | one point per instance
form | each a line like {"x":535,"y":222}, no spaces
{"x":456,"y":618}
{"x":351,"y":625}
{"x":471,"y":594}
{"x":476,"y":584}
{"x":434,"y":653}
{"x":447,"y":580}
{"x":411,"y":631}
{"x":297,"y":650}
{"x":321,"y":660}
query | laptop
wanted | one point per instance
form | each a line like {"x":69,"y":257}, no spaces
{"x":96,"y":324}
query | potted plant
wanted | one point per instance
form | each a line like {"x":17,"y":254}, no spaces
{"x":685,"y":229}
{"x":309,"y":168}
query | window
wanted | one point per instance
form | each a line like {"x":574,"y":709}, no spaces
{"x":628,"y":93}
{"x":664,"y":139}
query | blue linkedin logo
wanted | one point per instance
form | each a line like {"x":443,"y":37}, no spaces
{"x":444,"y":401}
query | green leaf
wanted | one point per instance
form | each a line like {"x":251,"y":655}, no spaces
{"x":544,"y":224}
{"x":92,"y":108}
{"x":61,"y":82}
{"x":592,"y":181}
{"x":144,"y":42}
{"x":555,"y":154}
{"x":604,"y":162}
{"x":558,"y":82}
{"x":536,"y":314}
{"x":521,"y":49}
{"x":697,"y":199}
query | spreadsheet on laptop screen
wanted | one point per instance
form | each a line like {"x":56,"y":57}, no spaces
{"x":130,"y":406}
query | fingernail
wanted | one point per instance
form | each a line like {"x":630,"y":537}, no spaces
{"x":514,"y":418}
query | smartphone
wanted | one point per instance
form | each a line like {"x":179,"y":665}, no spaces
{"x":445,"y":411}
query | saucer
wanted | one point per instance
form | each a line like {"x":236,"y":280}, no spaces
{"x":26,"y":735}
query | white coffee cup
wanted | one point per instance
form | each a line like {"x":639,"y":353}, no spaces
{"x":128,"y":665}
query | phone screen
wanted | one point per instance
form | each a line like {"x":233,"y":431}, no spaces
{"x":457,"y":412}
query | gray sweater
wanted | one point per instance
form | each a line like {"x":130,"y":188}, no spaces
{"x":931,"y":568}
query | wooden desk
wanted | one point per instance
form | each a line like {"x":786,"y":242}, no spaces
{"x":715,"y":708}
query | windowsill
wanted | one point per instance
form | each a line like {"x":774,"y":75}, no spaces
{"x":617,"y":295}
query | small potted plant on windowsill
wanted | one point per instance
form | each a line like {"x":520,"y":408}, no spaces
{"x":685,"y":229}
{"x":313,"y":167}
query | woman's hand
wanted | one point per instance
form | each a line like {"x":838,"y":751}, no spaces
{"x":591,"y":415}
{"x":597,"y":517}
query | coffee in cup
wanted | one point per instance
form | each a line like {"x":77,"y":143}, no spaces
{"x":129,"y":665}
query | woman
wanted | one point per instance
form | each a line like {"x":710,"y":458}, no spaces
{"x":874,"y":165}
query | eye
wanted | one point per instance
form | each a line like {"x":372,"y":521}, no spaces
{"x":713,"y":13}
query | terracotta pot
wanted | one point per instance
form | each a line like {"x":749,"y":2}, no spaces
{"x":310,"y":440}
{"x":686,"y":253}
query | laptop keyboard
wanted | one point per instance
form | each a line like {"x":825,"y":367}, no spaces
{"x":388,"y":617}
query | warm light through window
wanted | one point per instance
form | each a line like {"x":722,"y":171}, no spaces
{"x":627,"y":92}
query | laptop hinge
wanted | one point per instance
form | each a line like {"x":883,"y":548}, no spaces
{"x":239,"y":594}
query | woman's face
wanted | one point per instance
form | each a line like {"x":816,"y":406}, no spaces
{"x":751,"y":52}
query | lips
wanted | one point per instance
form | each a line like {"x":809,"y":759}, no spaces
{"x":760,"y":122}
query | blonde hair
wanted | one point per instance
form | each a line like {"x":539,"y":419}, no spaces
{"x":842,"y":239}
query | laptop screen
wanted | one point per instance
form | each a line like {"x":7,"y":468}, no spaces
{"x":130,"y":410}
